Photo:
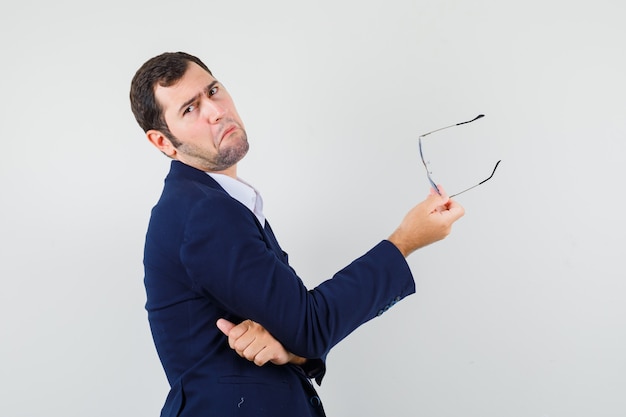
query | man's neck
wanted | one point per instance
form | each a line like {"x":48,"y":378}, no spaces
{"x":231,"y":172}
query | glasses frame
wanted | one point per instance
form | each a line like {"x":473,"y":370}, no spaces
{"x":428,"y":173}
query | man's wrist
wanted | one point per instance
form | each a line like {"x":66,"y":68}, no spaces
{"x":398,"y":243}
{"x":297,"y":360}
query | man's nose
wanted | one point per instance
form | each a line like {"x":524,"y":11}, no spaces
{"x":214,"y":112}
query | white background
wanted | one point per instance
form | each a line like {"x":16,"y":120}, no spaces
{"x":521,"y":312}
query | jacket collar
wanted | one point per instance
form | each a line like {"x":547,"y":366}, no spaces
{"x":181,"y":170}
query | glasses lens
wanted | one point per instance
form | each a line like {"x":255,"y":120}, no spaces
{"x":459,"y":152}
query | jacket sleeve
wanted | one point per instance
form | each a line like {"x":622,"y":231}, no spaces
{"x":225,"y":255}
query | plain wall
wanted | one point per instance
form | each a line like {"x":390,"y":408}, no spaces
{"x":519,"y":313}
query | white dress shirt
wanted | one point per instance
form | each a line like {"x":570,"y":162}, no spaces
{"x":242,"y":192}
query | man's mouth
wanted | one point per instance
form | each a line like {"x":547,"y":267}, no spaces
{"x":227,"y":131}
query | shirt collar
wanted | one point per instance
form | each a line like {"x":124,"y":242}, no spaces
{"x":242,"y":192}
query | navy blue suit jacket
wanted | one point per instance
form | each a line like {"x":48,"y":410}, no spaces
{"x":207,"y":257}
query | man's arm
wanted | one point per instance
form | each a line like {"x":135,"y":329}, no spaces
{"x":426,"y":223}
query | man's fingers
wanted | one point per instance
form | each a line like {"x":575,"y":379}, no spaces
{"x":259,"y":357}
{"x":441,"y":193}
{"x":456,"y":210}
{"x":437,"y":202}
{"x":237,"y":337}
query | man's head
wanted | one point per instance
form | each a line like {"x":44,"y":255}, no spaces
{"x":186,"y":113}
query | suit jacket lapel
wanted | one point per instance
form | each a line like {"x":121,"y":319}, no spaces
{"x":179,"y":169}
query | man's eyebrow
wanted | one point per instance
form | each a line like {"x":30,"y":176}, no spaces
{"x":194,"y":98}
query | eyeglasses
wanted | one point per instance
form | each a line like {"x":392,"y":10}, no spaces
{"x":428,"y":173}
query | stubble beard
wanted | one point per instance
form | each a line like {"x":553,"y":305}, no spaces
{"x":225,"y":158}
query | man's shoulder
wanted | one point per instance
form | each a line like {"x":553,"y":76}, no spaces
{"x":189,"y":195}
{"x":184,"y":183}
{"x":185,"y":193}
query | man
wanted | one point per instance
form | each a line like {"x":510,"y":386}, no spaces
{"x":213,"y":266}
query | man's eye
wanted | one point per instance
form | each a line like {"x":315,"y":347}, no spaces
{"x":213,"y":91}
{"x":189,"y":109}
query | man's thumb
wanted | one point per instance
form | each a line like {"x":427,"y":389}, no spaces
{"x":225,"y":326}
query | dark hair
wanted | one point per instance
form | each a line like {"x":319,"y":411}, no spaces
{"x":165,"y":69}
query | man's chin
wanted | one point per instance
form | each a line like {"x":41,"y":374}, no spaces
{"x":232,"y":155}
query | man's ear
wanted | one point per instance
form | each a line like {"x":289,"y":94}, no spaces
{"x":161,"y":142}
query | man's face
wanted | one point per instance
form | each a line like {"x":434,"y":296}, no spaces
{"x":202,"y":117}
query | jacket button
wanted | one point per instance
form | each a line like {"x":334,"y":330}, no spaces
{"x":315,"y":401}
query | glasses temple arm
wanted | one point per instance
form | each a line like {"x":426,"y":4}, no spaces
{"x":482,"y":182}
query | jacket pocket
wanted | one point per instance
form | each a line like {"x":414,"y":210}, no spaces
{"x":258,"y":397}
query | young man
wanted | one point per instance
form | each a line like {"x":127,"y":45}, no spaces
{"x":211,"y":261}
